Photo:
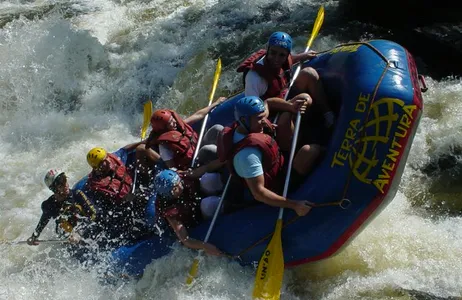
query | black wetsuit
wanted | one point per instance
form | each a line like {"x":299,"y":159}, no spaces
{"x":52,"y":209}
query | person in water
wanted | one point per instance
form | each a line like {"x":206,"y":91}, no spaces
{"x":267,"y":76}
{"x":64,"y":206}
{"x":179,"y":204}
{"x":176,"y":141}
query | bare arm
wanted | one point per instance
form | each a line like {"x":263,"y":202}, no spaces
{"x":200,"y":114}
{"x":191,"y":243}
{"x":278,"y":104}
{"x":262,"y":194}
{"x":295,"y":104}
{"x":133,"y":146}
{"x":152,"y":155}
{"x":301,"y":57}
{"x":208,"y":168}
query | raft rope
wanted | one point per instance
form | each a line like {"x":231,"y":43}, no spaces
{"x":374,"y":94}
{"x":344,"y":203}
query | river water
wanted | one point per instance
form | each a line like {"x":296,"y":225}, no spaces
{"x":75,"y":74}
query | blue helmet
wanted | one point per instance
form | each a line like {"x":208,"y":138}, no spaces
{"x":165,"y":181}
{"x":247,"y":107}
{"x":280,"y":39}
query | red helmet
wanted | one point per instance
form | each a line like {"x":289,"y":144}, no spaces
{"x":160,"y":119}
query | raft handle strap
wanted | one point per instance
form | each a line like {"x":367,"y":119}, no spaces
{"x":424,"y":87}
{"x":343,"y":204}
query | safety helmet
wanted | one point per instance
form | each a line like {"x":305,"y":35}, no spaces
{"x":165,"y":181}
{"x":280,"y":39}
{"x":50,"y":178}
{"x":247,"y":107}
{"x":95,"y":156}
{"x":160,"y":119}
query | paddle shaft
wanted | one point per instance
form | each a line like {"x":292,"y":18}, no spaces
{"x":38,"y":241}
{"x":195,"y":264}
{"x":134,"y":180}
{"x":297,"y":71}
{"x":291,"y":159}
{"x":268,"y":281}
{"x":317,"y":26}
{"x":201,"y":135}
{"x":206,"y":118}
{"x":314,"y":33}
{"x":217,"y":210}
{"x":295,"y":137}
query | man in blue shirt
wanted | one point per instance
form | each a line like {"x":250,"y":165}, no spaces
{"x":254,"y":155}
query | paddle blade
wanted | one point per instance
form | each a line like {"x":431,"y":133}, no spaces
{"x":317,"y":26}
{"x":268,"y":280}
{"x":147,"y":112}
{"x":216,"y":77}
{"x":192,"y":271}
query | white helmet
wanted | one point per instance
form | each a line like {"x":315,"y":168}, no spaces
{"x":51,"y":176}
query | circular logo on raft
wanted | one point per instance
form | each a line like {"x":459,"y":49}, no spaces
{"x":375,"y":139}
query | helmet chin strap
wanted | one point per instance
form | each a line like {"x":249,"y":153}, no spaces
{"x":247,"y":128}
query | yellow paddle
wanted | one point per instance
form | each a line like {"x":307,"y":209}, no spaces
{"x":147,"y":112}
{"x":270,"y":271}
{"x":195,"y":264}
{"x":216,"y":77}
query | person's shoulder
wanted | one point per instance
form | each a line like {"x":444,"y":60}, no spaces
{"x":237,"y":136}
{"x":50,"y":202}
{"x":121,"y":153}
{"x":247,"y":153}
{"x":247,"y":162}
{"x":255,"y":84}
{"x":253,"y":75}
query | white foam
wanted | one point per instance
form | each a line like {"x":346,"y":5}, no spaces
{"x":69,"y":84}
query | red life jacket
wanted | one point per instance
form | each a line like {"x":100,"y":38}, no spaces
{"x":278,"y":80}
{"x":115,"y":186}
{"x":182,"y":142}
{"x":272,"y":159}
{"x":186,"y":209}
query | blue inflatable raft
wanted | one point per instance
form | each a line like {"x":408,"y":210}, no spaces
{"x":377,"y":89}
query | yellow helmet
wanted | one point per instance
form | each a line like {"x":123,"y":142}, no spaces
{"x":95,"y":156}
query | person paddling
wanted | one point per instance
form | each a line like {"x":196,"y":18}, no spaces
{"x":255,"y":157}
{"x":110,"y":184}
{"x":176,"y":141}
{"x":62,"y":206}
{"x":179,"y":203}
{"x":267,"y":76}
